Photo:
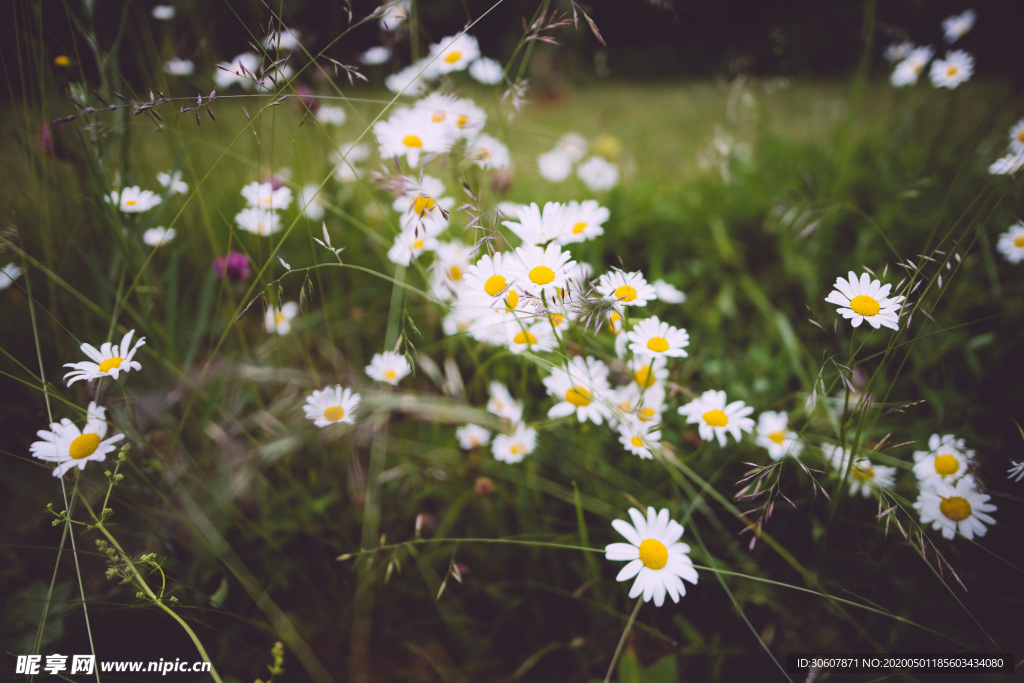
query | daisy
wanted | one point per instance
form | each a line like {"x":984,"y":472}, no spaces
{"x":65,"y":445}
{"x":643,"y":406}
{"x":1011,"y":243}
{"x":179,"y":67}
{"x":133,"y":199}
{"x":472,"y":436}
{"x":331,"y":115}
{"x":536,"y":226}
{"x":542,"y":270}
{"x":656,"y":557}
{"x":492,"y":275}
{"x":1017,"y":137}
{"x":8,"y":274}
{"x":716,"y":419}
{"x":957,"y":25}
{"x":264,"y":196}
{"x":909,"y":70}
{"x":410,"y":132}
{"x":946,"y":460}
{"x":488,"y":153}
{"x":393,"y":14}
{"x":388,"y":367}
{"x":258,"y":221}
{"x":864,"y":475}
{"x":422,"y":205}
{"x":639,"y":439}
{"x":173,"y":182}
{"x":648,"y":372}
{"x":583,"y":221}
{"x":897,"y":52}
{"x":512,"y":448}
{"x":1016,"y":472}
{"x":449,"y":269}
{"x":667,"y":293}
{"x":956,"y":508}
{"x":957,"y":67}
{"x":412,"y":80}
{"x":554,"y":166}
{"x":625,"y":289}
{"x":279,"y":320}
{"x":109,"y":360}
{"x":163,"y":12}
{"x":467,"y":118}
{"x":580,"y":388}
{"x":501,"y":403}
{"x":866,"y":299}
{"x":836,"y":457}
{"x":378,"y":54}
{"x":652,"y":338}
{"x":242,"y":70}
{"x":409,"y":244}
{"x":157,"y":237}
{"x":1010,"y":164}
{"x":773,"y":434}
{"x":486,"y":71}
{"x":598,"y":174}
{"x":573,"y":146}
{"x":287,"y":39}
{"x":331,"y":405}
{"x":521,"y":336}
{"x":454,"y":53}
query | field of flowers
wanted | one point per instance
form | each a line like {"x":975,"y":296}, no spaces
{"x":417,"y":362}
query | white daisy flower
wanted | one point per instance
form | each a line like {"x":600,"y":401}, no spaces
{"x":522,"y":335}
{"x":598,"y":174}
{"x":1011,"y":243}
{"x":536,"y":226}
{"x":648,"y":371}
{"x":157,"y":237}
{"x":409,"y":244}
{"x":581,"y":388}
{"x":836,"y":457}
{"x":243,"y":69}
{"x":492,"y":275}
{"x":572,"y":145}
{"x":331,"y":115}
{"x":956,"y":508}
{"x":715,"y":419}
{"x":1016,"y":472}
{"x":264,"y":196}
{"x":65,"y":445}
{"x":164,"y":12}
{"x":179,"y":67}
{"x":331,"y":405}
{"x":652,"y":338}
{"x":454,"y":53}
{"x":410,"y":133}
{"x":625,"y":289}
{"x":488,"y":152}
{"x":8,"y":274}
{"x":378,"y":54}
{"x":258,"y":221}
{"x":472,"y":436}
{"x":946,"y":460}
{"x":1011,"y":164}
{"x":279,"y":320}
{"x":512,"y":448}
{"x":287,"y":39}
{"x":1017,"y":137}
{"x":133,"y":199}
{"x":486,"y":71}
{"x":656,"y":557}
{"x":667,"y":293}
{"x":554,"y":166}
{"x":897,"y":52}
{"x":639,"y":439}
{"x":542,"y":270}
{"x":957,"y":25}
{"x":173,"y":182}
{"x":393,"y":14}
{"x":110,"y":360}
{"x":583,"y":221}
{"x":501,"y":403}
{"x":864,"y":475}
{"x":388,"y":367}
{"x":644,"y":406}
{"x":773,"y":434}
{"x":312,"y":202}
{"x":866,"y":299}
{"x":422,"y":205}
{"x":909,"y":70}
{"x":957,"y":67}
{"x":449,"y":268}
{"x":411,"y":81}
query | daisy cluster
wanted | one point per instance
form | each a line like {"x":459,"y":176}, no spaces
{"x":568,"y":154}
{"x":956,"y":67}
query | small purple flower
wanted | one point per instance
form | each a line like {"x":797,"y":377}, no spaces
{"x":235,"y":265}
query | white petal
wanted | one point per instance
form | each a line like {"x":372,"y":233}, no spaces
{"x":627,"y":531}
{"x":630,"y":570}
{"x":621,"y":552}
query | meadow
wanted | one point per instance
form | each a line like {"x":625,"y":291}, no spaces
{"x":254,"y":517}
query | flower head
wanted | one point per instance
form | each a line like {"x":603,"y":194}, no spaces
{"x":388,"y":367}
{"x":957,"y":25}
{"x":8,"y":274}
{"x":454,"y":53}
{"x":598,"y":174}
{"x":543,"y":269}
{"x":656,"y":557}
{"x":625,"y":289}
{"x":486,"y":71}
{"x":108,"y":361}
{"x":554,"y":166}
{"x":715,"y":419}
{"x":179,"y":67}
{"x":410,"y":133}
{"x":264,"y":196}
{"x":173,"y":182}
{"x":234,"y":265}
{"x":583,"y":221}
{"x":134,"y":200}
{"x":652,"y":338}
{"x":488,"y":152}
{"x":956,"y":508}
{"x":157,"y":237}
{"x":957,"y":67}
{"x":909,"y":70}
{"x":668,"y":293}
{"x":581,"y":389}
{"x":864,"y":475}
{"x":472,"y":436}
{"x":773,"y":434}
{"x":946,"y":460}
{"x":279,"y":320}
{"x":501,"y":403}
{"x":512,"y":448}
{"x":866,"y":299}
{"x":258,"y":220}
{"x":65,"y":445}
{"x":331,"y":405}
{"x":537,"y":226}
{"x":1011,"y":243}
{"x":639,"y":438}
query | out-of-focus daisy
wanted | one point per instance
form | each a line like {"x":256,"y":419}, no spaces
{"x":173,"y":182}
{"x":454,"y":53}
{"x":485,"y":70}
{"x":656,"y":557}
{"x":409,"y":244}
{"x":836,"y":457}
{"x":331,"y":405}
{"x":392,"y":14}
{"x":957,"y":67}
{"x":648,"y":371}
{"x":554,"y":166}
{"x":157,"y":237}
{"x":110,"y":360}
{"x":639,"y":439}
{"x":388,"y":367}
{"x":488,"y":152}
{"x":312,"y":201}
{"x":583,"y":221}
{"x":467,"y":118}
{"x":70,"y":447}
{"x":531,"y":334}
{"x":8,"y":274}
{"x":264,"y":196}
{"x":957,"y":25}
{"x":625,"y":289}
{"x":423,"y":208}
{"x":258,"y":220}
{"x":864,"y":475}
{"x":378,"y":54}
{"x":537,"y":226}
{"x":956,"y":508}
{"x":410,"y":133}
{"x":134,"y":199}
{"x":163,"y":12}
{"x":1016,"y":472}
{"x":512,"y":448}
{"x":1011,"y":243}
{"x":598,"y":174}
{"x":472,"y":436}
{"x":715,"y":419}
{"x":909,"y":70}
{"x":288,"y":39}
{"x":1017,"y":137}
{"x":667,"y":293}
{"x":773,"y":434}
{"x":449,"y":268}
{"x":278,"y":320}
{"x":866,"y":299}
{"x":652,"y":338}
{"x":179,"y":67}
{"x":331,"y":115}
{"x":243,"y":70}
{"x":946,"y":460}
{"x":1011,"y":164}
{"x":581,"y":388}
{"x":501,"y":403}
{"x":543,"y":270}
{"x":411,"y":81}
{"x":897,"y":52}
{"x":640,"y":405}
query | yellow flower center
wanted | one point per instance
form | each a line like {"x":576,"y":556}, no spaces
{"x":454,"y":273}
{"x":653,"y":554}
{"x":334,"y":413}
{"x":130,"y":202}
{"x":390,"y":374}
{"x":423,"y":204}
{"x":412,"y":141}
{"x":541,"y":275}
{"x":946,"y":464}
{"x":637,"y":441}
{"x":917,"y":68}
{"x":279,"y":317}
{"x":578,"y":396}
{"x":556,"y":319}
{"x":84,"y":446}
{"x":1020,"y":136}
{"x":494,"y":284}
{"x":1019,"y":242}
{"x":955,"y":508}
{"x":418,"y":244}
{"x":515,"y":449}
{"x":524,"y":337}
{"x":625,"y":293}
{"x":267,"y":200}
{"x":864,"y":474}
{"x":438,"y":116}
{"x":863,"y":304}
{"x":462,"y":121}
{"x":658,"y":344}
{"x":777,"y":437}
{"x":453,"y":56}
{"x":951,"y":71}
{"x":645,"y":414}
{"x":579,"y":227}
{"x":512,"y":300}
{"x":716,"y":418}
{"x":61,"y":60}
{"x":111,"y":364}
{"x":644,"y":377}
